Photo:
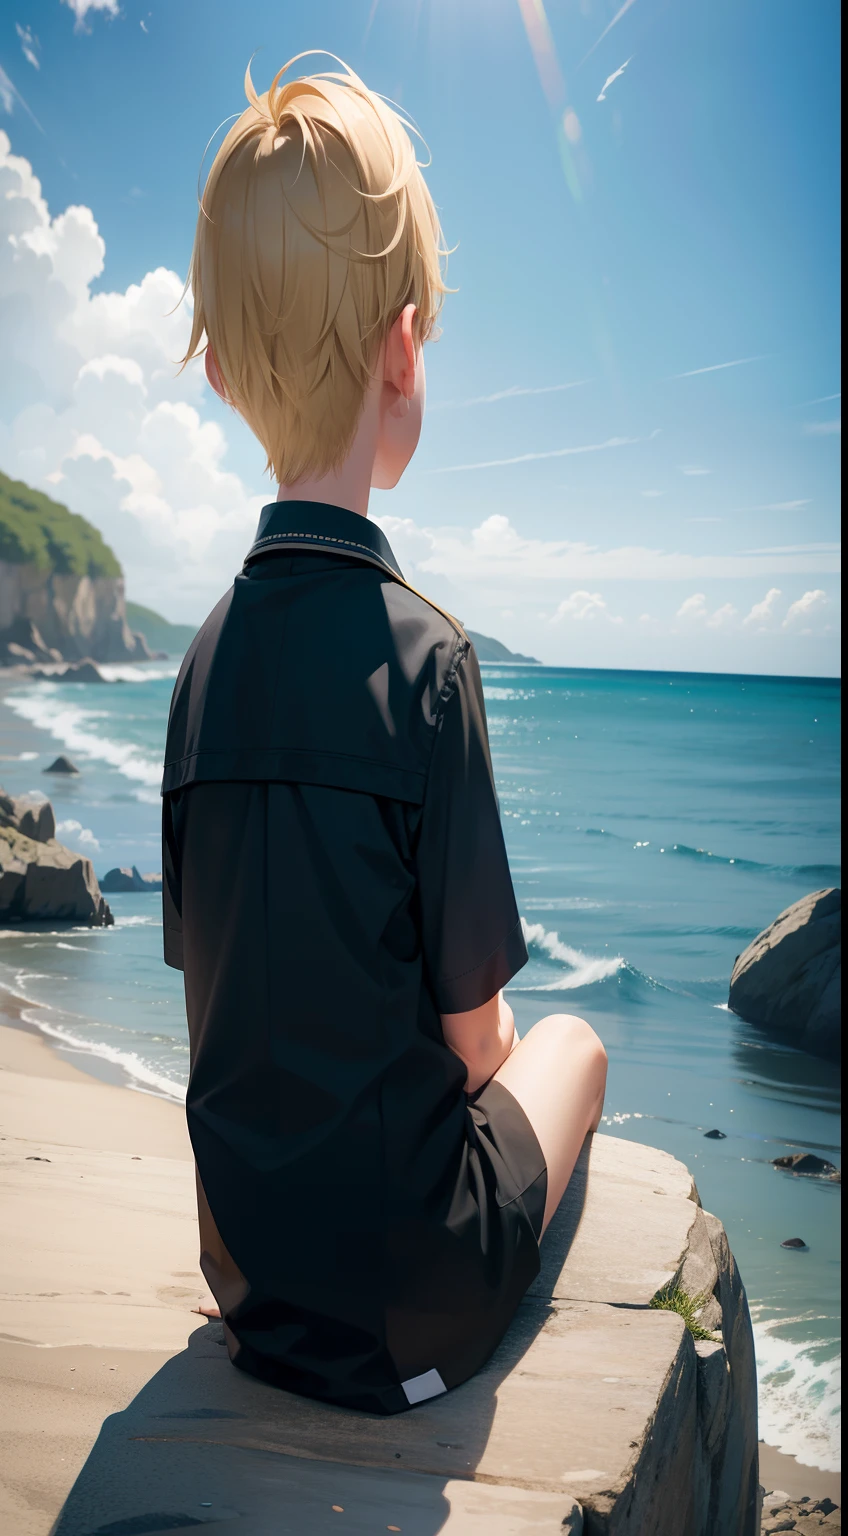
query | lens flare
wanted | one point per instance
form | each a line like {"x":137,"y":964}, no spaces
{"x":543,"y":49}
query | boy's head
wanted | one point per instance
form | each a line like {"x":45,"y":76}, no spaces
{"x":316,"y":232}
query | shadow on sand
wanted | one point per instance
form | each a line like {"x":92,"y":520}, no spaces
{"x":203,"y":1443}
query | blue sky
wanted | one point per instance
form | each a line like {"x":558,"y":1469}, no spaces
{"x":670,"y":253}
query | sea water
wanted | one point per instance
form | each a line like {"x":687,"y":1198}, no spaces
{"x":655,"y":823}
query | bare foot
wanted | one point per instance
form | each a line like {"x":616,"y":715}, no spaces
{"x":208,"y":1307}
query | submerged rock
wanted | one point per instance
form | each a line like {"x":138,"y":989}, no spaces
{"x":61,"y":764}
{"x":790,"y":978}
{"x":130,"y":880}
{"x":39,"y":877}
{"x":794,"y":1242}
{"x":808,"y":1163}
{"x":715,"y":1135}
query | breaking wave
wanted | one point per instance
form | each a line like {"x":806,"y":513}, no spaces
{"x":800,"y":1396}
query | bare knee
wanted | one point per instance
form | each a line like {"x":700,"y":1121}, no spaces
{"x":570,"y":1032}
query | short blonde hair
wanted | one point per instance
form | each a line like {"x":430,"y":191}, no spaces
{"x":315,"y":230}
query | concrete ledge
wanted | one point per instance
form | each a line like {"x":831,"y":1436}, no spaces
{"x":596,"y":1414}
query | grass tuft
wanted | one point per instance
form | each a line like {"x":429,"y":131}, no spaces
{"x":672,"y":1299}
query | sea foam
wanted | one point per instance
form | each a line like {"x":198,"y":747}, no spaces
{"x":75,"y":728}
{"x":799,"y":1396}
{"x":583,"y":969}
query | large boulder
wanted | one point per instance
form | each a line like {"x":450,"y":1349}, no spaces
{"x":790,"y":978}
{"x":41,"y":879}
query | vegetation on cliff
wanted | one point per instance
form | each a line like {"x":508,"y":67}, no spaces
{"x":34,"y":530}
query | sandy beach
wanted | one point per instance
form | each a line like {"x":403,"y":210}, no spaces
{"x":100,"y":1273}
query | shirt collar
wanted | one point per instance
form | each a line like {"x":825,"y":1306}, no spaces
{"x":305,"y":525}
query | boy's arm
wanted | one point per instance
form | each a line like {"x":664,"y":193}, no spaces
{"x":482,"y":1038}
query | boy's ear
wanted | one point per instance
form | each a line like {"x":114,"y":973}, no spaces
{"x":213,"y":374}
{"x":399,"y":368}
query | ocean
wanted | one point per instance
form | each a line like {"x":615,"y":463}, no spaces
{"x":655,"y":823}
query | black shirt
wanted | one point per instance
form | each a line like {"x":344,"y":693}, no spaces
{"x":335,"y":878}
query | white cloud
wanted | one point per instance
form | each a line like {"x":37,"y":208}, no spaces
{"x":92,"y":409}
{"x":496,"y":554}
{"x":29,"y":44}
{"x":722,"y":617}
{"x":693,"y":469}
{"x":81,"y":836}
{"x":805,"y":607}
{"x":695,"y":607}
{"x":584,"y":605}
{"x":824,"y":428}
{"x":9,"y":94}
{"x":608,"y":28}
{"x":81,"y":9}
{"x":717,"y":367}
{"x":652,"y":493}
{"x":550,"y":453}
{"x":610,"y":80}
{"x":512,"y":393}
{"x":779,"y":506}
{"x":763,"y":612}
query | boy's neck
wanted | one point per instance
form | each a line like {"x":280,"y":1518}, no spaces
{"x":330,"y":490}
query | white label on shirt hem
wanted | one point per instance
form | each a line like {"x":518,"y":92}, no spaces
{"x":419,"y":1388}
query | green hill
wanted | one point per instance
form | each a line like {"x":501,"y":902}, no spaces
{"x":494,"y":650}
{"x":34,"y":530}
{"x":158,"y":632}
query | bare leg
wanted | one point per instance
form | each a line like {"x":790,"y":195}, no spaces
{"x":558,"y":1074}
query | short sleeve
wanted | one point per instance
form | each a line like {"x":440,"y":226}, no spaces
{"x":471,"y":932}
{"x":172,"y":899}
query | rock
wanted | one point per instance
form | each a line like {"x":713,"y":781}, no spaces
{"x":807,"y":1162}
{"x":793,"y":1242}
{"x":790,"y":978}
{"x":116,"y":880}
{"x":592,"y":1399}
{"x":34,"y":818}
{"x":779,"y":1523}
{"x":41,"y":879}
{"x":21,"y":642}
{"x":85,"y":671}
{"x":129,"y":880}
{"x":715,"y":1135}
{"x":61,"y":764}
{"x":825,"y":1506}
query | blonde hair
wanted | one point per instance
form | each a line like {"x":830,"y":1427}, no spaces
{"x":315,"y":230}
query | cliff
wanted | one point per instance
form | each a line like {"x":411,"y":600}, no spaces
{"x":61,"y":587}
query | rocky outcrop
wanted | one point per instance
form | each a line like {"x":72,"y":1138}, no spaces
{"x":790,"y":978}
{"x":76,"y":616}
{"x":780,"y":1513}
{"x":129,"y":880}
{"x":41,"y":879}
{"x":22,"y":643}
